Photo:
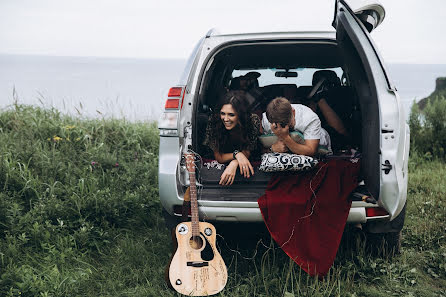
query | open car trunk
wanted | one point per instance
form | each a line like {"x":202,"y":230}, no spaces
{"x":303,"y":56}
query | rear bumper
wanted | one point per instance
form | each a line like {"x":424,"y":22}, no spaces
{"x":244,"y":213}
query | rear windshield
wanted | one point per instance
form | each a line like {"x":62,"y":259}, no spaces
{"x":268,"y":75}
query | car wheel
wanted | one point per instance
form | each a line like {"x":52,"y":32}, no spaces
{"x":384,"y":244}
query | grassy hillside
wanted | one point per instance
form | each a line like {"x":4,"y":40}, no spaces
{"x":80,"y":216}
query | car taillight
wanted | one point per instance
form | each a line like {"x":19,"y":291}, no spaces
{"x":172,"y":104}
{"x":375,"y":212}
{"x":175,"y":92}
{"x":168,"y":122}
{"x":175,"y":98}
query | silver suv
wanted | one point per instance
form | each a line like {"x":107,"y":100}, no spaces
{"x":367,"y":100}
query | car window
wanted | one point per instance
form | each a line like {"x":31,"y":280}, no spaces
{"x":304,"y":76}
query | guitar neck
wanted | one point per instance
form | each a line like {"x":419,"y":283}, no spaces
{"x":194,"y":204}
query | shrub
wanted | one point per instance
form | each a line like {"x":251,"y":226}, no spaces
{"x":428,"y":128}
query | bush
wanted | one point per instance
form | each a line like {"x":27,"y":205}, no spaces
{"x":428,"y":128}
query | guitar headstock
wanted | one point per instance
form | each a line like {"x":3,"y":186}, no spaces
{"x":190,"y":162}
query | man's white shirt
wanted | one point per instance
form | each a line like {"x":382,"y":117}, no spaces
{"x":307,"y":122}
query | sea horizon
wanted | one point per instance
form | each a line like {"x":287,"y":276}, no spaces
{"x":165,"y":58}
{"x":136,"y":88}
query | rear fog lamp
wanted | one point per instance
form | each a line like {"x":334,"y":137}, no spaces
{"x":375,"y":212}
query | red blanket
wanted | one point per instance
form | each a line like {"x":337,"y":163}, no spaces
{"x":306,"y":212}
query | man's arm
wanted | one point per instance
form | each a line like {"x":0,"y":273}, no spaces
{"x":309,"y":148}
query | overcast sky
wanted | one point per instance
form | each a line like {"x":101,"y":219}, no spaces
{"x":412,"y":31}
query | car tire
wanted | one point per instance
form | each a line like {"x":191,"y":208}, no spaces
{"x":384,"y":244}
{"x":384,"y":238}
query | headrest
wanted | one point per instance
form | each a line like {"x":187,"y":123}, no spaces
{"x":235,"y":83}
{"x":252,"y":74}
{"x":330,"y":77}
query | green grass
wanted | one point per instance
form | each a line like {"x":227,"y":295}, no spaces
{"x":80,"y":216}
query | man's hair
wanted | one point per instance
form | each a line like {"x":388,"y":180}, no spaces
{"x":279,"y":111}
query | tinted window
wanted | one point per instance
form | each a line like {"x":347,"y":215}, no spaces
{"x":304,"y":77}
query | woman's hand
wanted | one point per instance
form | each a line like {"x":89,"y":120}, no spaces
{"x":227,"y":178}
{"x":245,"y":166}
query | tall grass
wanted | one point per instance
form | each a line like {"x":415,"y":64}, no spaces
{"x":70,"y":189}
{"x":80,"y":216}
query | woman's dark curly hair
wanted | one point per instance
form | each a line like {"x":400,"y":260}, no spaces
{"x":240,"y":105}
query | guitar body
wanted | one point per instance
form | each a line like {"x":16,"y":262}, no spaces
{"x":197,"y":268}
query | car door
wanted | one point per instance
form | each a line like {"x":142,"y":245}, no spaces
{"x":383,"y":124}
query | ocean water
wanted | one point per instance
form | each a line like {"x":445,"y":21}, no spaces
{"x":92,"y":87}
{"x":136,"y":88}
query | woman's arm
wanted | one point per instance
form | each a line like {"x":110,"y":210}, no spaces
{"x":241,"y":161}
{"x":246,"y":168}
{"x":223,"y":157}
{"x":228,"y":176}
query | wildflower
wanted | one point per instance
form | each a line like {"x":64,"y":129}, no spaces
{"x":57,"y":138}
{"x":93,"y":163}
{"x":116,"y":164}
{"x":70,"y":127}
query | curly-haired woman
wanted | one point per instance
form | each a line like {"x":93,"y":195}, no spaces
{"x":232,"y":134}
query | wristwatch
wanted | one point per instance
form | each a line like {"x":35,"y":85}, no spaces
{"x":235,"y":153}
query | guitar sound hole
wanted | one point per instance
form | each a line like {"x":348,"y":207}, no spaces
{"x":196,"y":242}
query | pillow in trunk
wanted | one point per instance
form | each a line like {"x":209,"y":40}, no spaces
{"x":277,"y":162}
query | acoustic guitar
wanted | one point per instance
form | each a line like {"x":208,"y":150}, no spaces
{"x":196,"y":268}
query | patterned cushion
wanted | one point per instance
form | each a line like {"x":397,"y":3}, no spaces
{"x":276,"y":162}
